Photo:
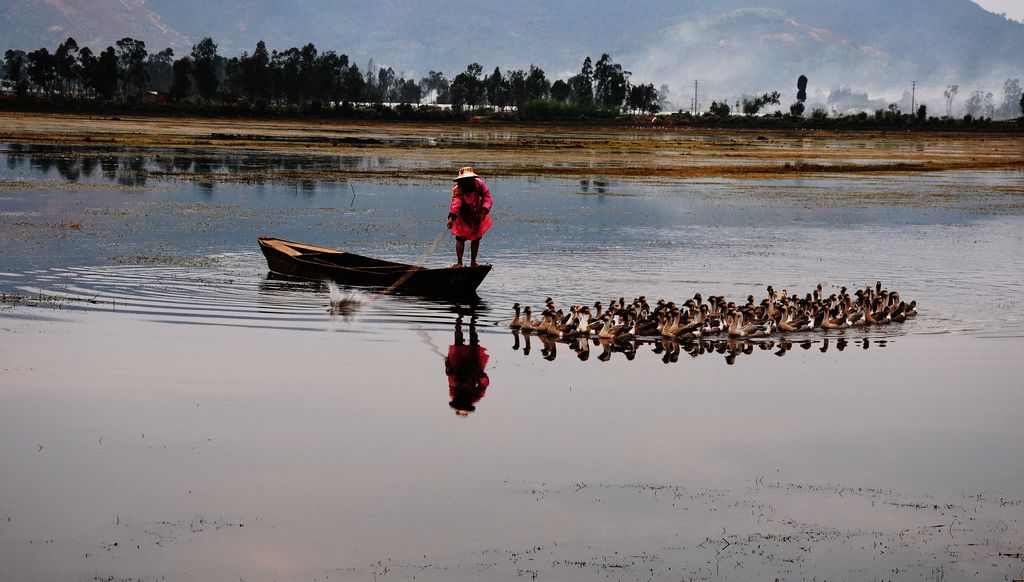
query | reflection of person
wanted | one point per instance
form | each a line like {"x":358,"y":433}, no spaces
{"x":470,"y":214}
{"x":464,"y":366}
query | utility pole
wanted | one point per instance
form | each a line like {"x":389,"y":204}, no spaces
{"x":913,"y":95}
{"x":695,"y":98}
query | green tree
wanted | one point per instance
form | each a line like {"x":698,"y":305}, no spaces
{"x":370,"y":92}
{"x":515,"y":81}
{"x":257,"y":78}
{"x":317,"y":76}
{"x":494,"y":85}
{"x":634,"y":99}
{"x":14,"y":65}
{"x":105,"y":74}
{"x":231,"y":86}
{"x":409,"y":92}
{"x":467,"y":88}
{"x":15,"y":70}
{"x":560,"y":90}
{"x":307,"y":69}
{"x":581,"y":86}
{"x":131,"y":59}
{"x":753,"y":105}
{"x":720,"y":109}
{"x":42,"y":69}
{"x":437,"y":83}
{"x":159,"y":69}
{"x":611,"y":83}
{"x":330,"y":70}
{"x":181,"y":83}
{"x":922,"y":112}
{"x":353,"y":86}
{"x":537,"y":86}
{"x":66,"y":63}
{"x":643,"y":98}
{"x":204,"y":70}
{"x":797,"y":109}
{"x":87,"y":65}
{"x":386,"y":80}
{"x":287,"y":74}
{"x":602,"y":77}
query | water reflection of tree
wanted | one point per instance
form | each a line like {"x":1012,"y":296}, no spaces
{"x":670,"y":350}
{"x":131,"y":167}
{"x":69,"y":169}
{"x":133,"y":171}
{"x":89,"y":165}
{"x":183,"y":163}
{"x":596,"y":185}
{"x":109,"y":166}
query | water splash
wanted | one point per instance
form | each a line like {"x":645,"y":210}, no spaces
{"x":345,"y":302}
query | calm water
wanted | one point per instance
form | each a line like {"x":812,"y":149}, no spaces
{"x":169,"y":410}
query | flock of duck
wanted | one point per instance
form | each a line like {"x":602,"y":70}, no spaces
{"x":695,"y":318}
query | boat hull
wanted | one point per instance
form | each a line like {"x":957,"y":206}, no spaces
{"x":301,"y":261}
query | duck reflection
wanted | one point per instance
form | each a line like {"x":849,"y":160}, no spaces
{"x":465,"y":365}
{"x":670,"y":350}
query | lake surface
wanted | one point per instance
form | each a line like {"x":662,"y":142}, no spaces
{"x":170,"y":411}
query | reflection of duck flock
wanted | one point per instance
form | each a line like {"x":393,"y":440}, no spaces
{"x":671,"y":348}
{"x":696,"y":318}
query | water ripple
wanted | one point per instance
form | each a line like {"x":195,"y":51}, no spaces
{"x":189,"y":295}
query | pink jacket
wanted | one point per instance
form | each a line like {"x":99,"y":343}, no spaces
{"x":471,"y":219}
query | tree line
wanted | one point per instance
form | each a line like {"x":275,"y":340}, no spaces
{"x":307,"y":80}
{"x":305,"y":77}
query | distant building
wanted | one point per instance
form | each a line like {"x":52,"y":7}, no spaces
{"x":158,"y":97}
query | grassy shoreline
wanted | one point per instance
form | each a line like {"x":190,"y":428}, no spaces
{"x":533,"y":113}
{"x":634,"y":152}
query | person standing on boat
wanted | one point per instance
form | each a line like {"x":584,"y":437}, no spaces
{"x":470,"y":214}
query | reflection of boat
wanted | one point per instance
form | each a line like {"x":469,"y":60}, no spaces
{"x":318,"y":263}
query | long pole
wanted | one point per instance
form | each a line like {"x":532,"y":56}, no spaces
{"x":913,"y":95}
{"x":695,"y":98}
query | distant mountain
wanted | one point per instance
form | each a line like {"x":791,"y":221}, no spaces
{"x":731,"y":46}
{"x":31,"y":24}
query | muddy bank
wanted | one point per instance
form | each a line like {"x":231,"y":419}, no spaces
{"x":417,"y":151}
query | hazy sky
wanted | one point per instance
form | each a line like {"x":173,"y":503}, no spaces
{"x":1013,"y":8}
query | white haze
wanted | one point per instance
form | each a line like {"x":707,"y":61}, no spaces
{"x":1011,"y":8}
{"x":731,"y":67}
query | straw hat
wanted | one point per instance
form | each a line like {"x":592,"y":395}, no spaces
{"x":465,"y":173}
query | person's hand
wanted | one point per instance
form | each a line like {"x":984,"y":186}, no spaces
{"x":450,"y":222}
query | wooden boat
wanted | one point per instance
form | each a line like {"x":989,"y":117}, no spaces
{"x":310,"y":262}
